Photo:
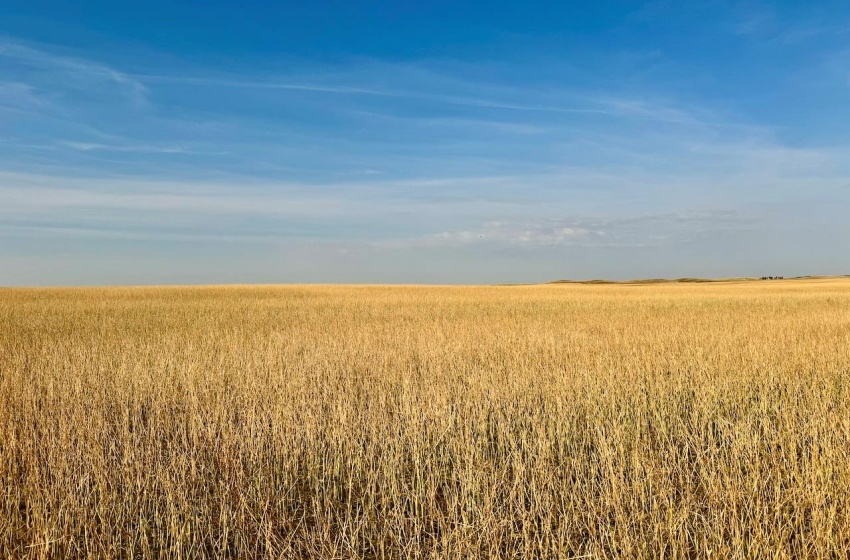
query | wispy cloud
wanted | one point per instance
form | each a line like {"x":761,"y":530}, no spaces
{"x":628,"y":231}
{"x":375,"y":114}
{"x":252,"y":83}
{"x":132,"y":148}
{"x":38,"y":195}
{"x":399,"y":160}
{"x":765,"y":22}
{"x":20,"y":96}
{"x":70,"y":71}
{"x":397,"y":92}
{"x":548,"y":233}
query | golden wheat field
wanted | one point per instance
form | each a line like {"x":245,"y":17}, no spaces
{"x":558,"y":421}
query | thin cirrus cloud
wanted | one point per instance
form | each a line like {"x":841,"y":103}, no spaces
{"x":635,"y":232}
{"x":72,"y":72}
{"x":370,"y":170}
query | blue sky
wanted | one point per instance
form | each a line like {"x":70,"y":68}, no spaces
{"x":415,"y":142}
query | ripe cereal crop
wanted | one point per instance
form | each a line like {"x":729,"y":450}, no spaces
{"x":675,"y":420}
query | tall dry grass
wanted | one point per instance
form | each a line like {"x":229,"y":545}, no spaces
{"x":676,"y":421}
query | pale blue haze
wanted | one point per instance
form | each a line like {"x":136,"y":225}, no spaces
{"x":422,"y":142}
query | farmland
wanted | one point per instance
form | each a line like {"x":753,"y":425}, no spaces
{"x":554,"y":421}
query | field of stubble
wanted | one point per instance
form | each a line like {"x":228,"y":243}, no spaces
{"x":567,"y":421}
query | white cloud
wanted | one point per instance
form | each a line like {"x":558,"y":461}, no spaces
{"x":71,"y":72}
{"x":130,"y":148}
{"x":416,"y":156}
{"x":20,"y":96}
{"x":588,"y":231}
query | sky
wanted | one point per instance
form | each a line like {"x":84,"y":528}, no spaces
{"x":422,"y":142}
